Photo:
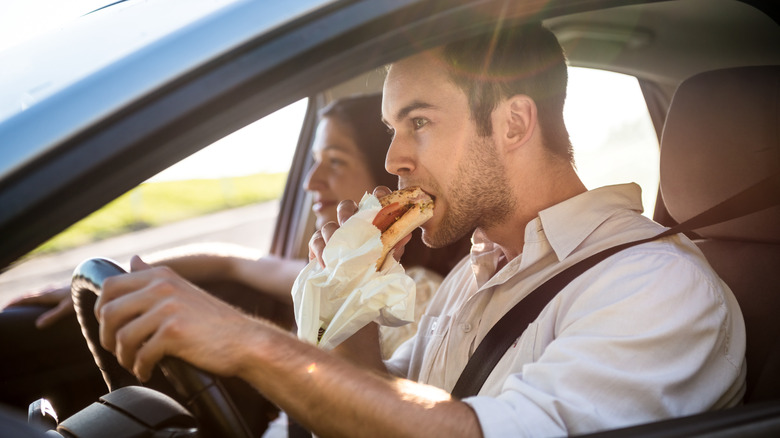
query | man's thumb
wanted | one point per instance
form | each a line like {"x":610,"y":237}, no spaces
{"x":136,"y":264}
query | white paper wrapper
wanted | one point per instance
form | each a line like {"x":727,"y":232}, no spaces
{"x":349,"y":293}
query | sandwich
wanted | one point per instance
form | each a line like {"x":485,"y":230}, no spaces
{"x":402,"y":212}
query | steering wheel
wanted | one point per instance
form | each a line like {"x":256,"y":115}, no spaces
{"x":203,"y":393}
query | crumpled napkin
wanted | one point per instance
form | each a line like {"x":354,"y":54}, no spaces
{"x":349,"y":293}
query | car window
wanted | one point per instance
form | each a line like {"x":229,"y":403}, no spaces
{"x":228,"y":192}
{"x":612,"y":133}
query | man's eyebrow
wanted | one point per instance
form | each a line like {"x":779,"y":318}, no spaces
{"x":403,"y":112}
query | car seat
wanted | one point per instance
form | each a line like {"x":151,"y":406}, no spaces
{"x":722,"y":134}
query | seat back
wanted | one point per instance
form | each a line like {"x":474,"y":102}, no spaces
{"x":722,"y":135}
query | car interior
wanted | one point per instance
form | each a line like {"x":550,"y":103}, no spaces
{"x":709,"y":153}
{"x":715,"y":106}
{"x":719,"y":138}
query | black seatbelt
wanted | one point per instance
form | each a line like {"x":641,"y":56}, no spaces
{"x":295,"y":430}
{"x":511,"y":326}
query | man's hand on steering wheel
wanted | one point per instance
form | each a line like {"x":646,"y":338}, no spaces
{"x":152,"y":312}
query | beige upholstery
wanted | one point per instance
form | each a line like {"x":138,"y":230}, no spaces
{"x":722,"y":134}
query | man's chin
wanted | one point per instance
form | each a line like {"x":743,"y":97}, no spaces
{"x":441,"y":234}
{"x":430,"y":238}
{"x":430,"y":231}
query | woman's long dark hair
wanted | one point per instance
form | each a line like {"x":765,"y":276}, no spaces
{"x":362,"y":115}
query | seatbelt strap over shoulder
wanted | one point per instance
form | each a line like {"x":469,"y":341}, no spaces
{"x":511,"y":326}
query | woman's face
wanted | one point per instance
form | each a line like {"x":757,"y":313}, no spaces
{"x":339,"y":171}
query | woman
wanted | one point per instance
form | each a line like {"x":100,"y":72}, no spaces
{"x":349,"y":151}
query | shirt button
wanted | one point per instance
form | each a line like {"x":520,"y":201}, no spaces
{"x":466,"y":327}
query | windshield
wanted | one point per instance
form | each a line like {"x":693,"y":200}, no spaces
{"x":45,"y":52}
{"x":60,"y":83}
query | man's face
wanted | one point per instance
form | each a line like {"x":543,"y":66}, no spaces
{"x":436,"y":146}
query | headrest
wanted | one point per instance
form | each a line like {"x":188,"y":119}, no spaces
{"x":722,"y":134}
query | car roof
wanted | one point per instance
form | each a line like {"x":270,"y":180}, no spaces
{"x":666,"y":42}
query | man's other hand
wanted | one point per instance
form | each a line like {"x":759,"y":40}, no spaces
{"x":345,"y":210}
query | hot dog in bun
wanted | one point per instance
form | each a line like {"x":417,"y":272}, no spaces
{"x":402,"y":212}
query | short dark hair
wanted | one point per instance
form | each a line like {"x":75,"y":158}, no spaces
{"x":514,"y":60}
{"x":363,"y":116}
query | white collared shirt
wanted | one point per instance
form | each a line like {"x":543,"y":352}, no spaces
{"x":650,"y":333}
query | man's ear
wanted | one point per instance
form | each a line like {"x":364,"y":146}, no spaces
{"x":520,"y":121}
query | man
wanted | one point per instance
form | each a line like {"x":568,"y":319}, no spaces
{"x":649,"y":333}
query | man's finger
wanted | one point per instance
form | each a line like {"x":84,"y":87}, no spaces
{"x":120,"y":285}
{"x":316,"y":245}
{"x":345,"y":210}
{"x":328,"y":230}
{"x":382,"y":191}
{"x":400,"y":247}
{"x":136,"y":264}
{"x":318,"y":241}
{"x":148,"y":356}
{"x":131,"y":336}
{"x":145,"y":329}
{"x":120,"y":311}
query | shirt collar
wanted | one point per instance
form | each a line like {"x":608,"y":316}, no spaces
{"x":590,"y":209}
{"x":485,"y":256}
{"x":556,"y":226}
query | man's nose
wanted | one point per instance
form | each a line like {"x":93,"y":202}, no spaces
{"x":400,"y":158}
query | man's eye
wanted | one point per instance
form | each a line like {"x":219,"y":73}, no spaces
{"x":419,"y":122}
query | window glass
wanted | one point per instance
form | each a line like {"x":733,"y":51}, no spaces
{"x":612,"y":133}
{"x":228,"y":192}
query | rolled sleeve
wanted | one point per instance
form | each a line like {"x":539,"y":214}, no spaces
{"x":502,"y":418}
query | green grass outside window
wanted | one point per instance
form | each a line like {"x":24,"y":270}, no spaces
{"x":158,"y":203}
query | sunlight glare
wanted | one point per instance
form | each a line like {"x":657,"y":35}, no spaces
{"x":426,"y":396}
